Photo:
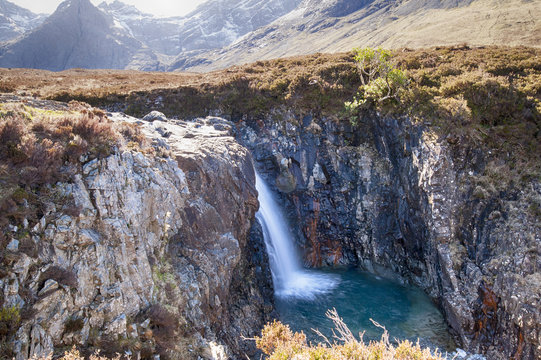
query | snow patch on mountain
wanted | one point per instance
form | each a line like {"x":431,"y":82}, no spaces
{"x":15,"y":20}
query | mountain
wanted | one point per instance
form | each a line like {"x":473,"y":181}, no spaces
{"x":15,"y":20}
{"x":212,"y":25}
{"x":221,"y":33}
{"x":218,"y":23}
{"x":78,"y":34}
{"x":340,"y":25}
{"x":160,"y":34}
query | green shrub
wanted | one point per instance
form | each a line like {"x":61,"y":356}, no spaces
{"x":381,"y":80}
{"x":10,"y":319}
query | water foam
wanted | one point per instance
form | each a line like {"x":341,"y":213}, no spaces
{"x":289,"y":278}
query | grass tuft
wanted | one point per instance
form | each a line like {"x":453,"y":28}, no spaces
{"x":278,"y":342}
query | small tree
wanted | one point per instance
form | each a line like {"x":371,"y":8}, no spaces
{"x":381,"y":80}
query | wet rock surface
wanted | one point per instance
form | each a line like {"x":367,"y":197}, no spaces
{"x":159,"y":254}
{"x":399,"y":200}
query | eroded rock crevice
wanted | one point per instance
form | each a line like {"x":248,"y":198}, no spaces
{"x":397,"y":199}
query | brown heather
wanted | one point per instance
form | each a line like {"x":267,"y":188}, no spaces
{"x":485,"y":97}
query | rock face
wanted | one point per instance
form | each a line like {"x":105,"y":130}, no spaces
{"x":159,"y":253}
{"x":159,"y":34}
{"x":396,"y":199}
{"x":78,"y":35}
{"x":212,"y":25}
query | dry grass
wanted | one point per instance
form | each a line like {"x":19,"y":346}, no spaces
{"x":106,"y":85}
{"x":278,"y":342}
{"x":38,"y":149}
{"x":74,"y":354}
{"x":319,"y":80}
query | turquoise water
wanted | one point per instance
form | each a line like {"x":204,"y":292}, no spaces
{"x":406,"y":312}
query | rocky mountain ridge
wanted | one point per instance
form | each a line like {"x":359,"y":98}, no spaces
{"x":340,"y":25}
{"x":221,"y":33}
{"x":141,"y":41}
{"x":77,"y":34}
{"x":15,"y":20}
{"x":159,"y":34}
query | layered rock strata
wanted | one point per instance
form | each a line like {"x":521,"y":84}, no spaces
{"x":156,"y":259}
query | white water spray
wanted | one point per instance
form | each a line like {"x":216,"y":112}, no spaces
{"x":289,"y":278}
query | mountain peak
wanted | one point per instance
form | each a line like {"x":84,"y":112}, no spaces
{"x":120,"y":8}
{"x":70,"y":4}
{"x":77,"y":34}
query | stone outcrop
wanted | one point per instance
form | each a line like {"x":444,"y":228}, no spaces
{"x":397,"y":199}
{"x":157,"y":256}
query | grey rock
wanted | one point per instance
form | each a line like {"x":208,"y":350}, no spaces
{"x":172,"y":231}
{"x":13,"y":245}
{"x":15,"y":20}
{"x":461,"y":353}
{"x":155,"y":115}
{"x":50,"y":285}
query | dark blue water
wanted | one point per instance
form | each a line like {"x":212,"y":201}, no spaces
{"x":406,"y":312}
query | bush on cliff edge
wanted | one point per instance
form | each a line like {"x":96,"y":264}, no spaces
{"x":381,"y":80}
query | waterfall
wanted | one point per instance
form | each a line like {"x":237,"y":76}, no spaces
{"x":289,"y":278}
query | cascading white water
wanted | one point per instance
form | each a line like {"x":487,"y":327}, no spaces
{"x":289,"y":278}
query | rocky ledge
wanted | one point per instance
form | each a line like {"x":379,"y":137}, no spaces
{"x":157,"y":256}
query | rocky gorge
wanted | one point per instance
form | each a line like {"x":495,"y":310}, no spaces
{"x":170,"y":237}
{"x":155,"y":250}
{"x":398,"y":200}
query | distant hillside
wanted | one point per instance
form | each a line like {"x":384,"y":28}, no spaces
{"x":78,"y":35}
{"x":221,"y":33}
{"x":339,"y":25}
{"x":15,"y":20}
